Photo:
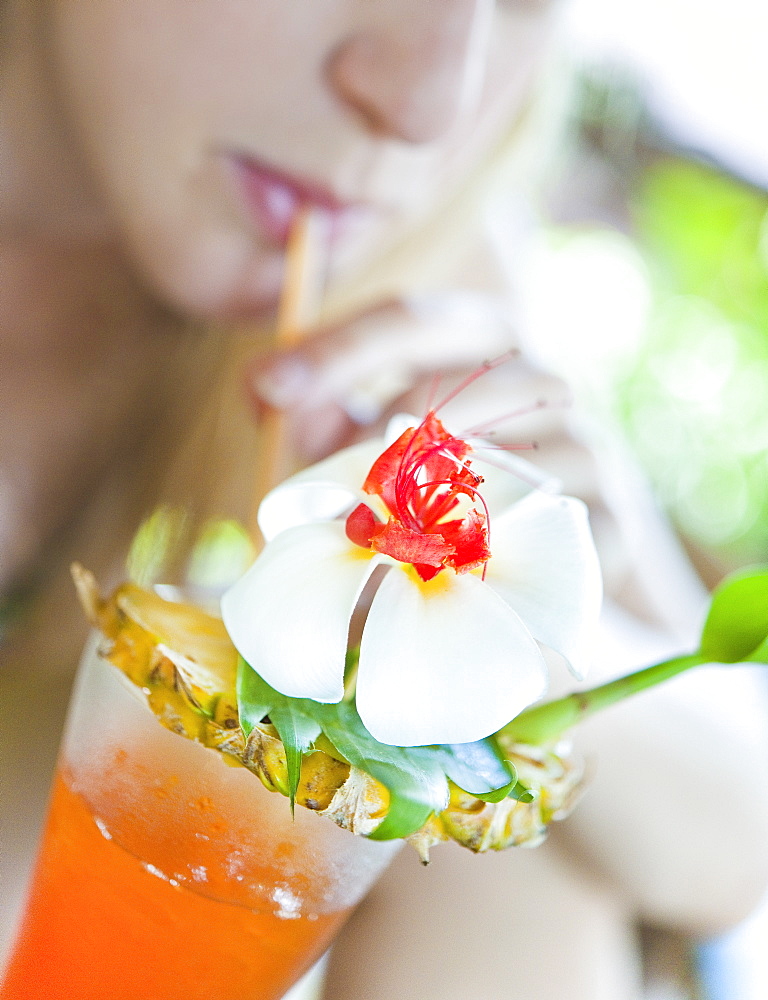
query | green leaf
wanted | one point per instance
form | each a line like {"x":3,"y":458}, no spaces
{"x":255,"y":697}
{"x":416,"y":777}
{"x":298,"y":731}
{"x":412,"y":775}
{"x":760,"y":655}
{"x":737,"y":623}
{"x":291,"y":717}
{"x":519,"y":792}
{"x":480,"y":769}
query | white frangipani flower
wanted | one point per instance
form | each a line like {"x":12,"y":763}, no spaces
{"x":480,"y":572}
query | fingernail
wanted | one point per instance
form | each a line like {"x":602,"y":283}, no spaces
{"x":283,"y":382}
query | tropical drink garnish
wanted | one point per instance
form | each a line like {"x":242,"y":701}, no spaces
{"x":467,"y":570}
{"x":421,"y":479}
{"x":457,"y":563}
{"x":378,"y":662}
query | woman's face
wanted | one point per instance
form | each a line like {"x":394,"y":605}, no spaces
{"x":206,"y":123}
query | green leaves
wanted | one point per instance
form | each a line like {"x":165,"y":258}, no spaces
{"x":416,"y":777}
{"x":291,"y":717}
{"x":736,"y":628}
{"x":479,"y":768}
{"x":298,"y":731}
{"x":413,"y":776}
{"x":255,"y":697}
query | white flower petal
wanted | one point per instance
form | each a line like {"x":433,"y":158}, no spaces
{"x":443,"y":662}
{"x":289,"y":615}
{"x":320,"y":492}
{"x":327,"y":489}
{"x":545,"y":566}
{"x":396,"y":426}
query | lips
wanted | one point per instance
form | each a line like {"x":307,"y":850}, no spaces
{"x":273,"y":199}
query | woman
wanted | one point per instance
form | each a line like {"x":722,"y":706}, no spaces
{"x":153,"y":162}
{"x":156,"y":154}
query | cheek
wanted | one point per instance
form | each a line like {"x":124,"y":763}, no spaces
{"x":520,"y":45}
{"x":127,"y":78}
{"x":519,"y":48}
{"x":170,"y":80}
{"x":149,"y":90}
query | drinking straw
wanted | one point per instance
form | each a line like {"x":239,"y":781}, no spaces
{"x":297,"y":311}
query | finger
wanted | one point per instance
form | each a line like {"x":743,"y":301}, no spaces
{"x":365,"y":364}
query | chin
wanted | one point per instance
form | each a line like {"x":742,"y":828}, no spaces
{"x":212,"y":279}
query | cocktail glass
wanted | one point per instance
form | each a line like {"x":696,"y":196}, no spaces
{"x":165,"y":872}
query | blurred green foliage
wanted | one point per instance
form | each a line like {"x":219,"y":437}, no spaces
{"x":211,"y":560}
{"x":694,"y":400}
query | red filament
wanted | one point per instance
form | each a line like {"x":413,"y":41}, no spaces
{"x":424,"y":478}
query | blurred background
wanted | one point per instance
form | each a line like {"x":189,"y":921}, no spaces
{"x":661,"y":250}
{"x":658,"y":246}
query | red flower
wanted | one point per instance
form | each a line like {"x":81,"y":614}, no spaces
{"x":423,"y":478}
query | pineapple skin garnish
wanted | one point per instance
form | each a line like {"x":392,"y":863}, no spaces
{"x":185,"y":663}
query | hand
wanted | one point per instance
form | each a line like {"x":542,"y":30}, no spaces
{"x":343,"y":382}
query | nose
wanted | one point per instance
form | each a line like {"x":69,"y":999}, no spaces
{"x":415,"y":70}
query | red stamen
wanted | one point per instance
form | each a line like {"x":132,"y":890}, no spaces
{"x":522,"y":411}
{"x":485,"y":367}
{"x":418,"y":531}
{"x":421,"y":478}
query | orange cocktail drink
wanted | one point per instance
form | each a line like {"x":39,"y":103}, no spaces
{"x":165,"y":872}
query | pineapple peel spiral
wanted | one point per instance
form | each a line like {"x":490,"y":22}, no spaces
{"x":183,"y":660}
